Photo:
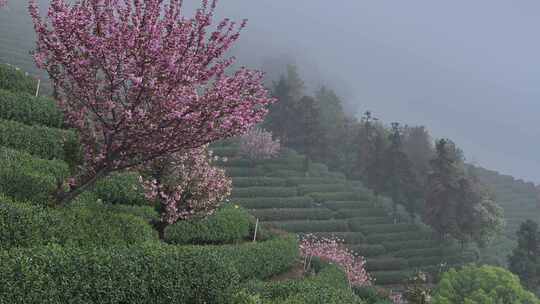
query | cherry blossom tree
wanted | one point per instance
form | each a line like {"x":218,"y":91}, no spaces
{"x":258,"y":144}
{"x":3,"y":3}
{"x":140,"y":81}
{"x":332,"y":250}
{"x":185,"y":185}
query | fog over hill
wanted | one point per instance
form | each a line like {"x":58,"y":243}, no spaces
{"x":467,"y":70}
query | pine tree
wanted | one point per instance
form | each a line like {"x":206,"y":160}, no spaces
{"x":525,"y":258}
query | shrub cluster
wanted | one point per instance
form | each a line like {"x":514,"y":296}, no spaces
{"x":322,"y":197}
{"x":148,"y":274}
{"x":293,"y":214}
{"x":264,"y":192}
{"x":378,"y":264}
{"x":312,"y":188}
{"x":25,"y":177}
{"x":368,"y":250}
{"x":27,"y":225}
{"x":121,"y":188}
{"x":312,"y":226}
{"x":276,"y":202}
{"x":388,"y":228}
{"x":337,"y":205}
{"x":228,"y":225}
{"x":357,"y":224}
{"x":361,"y":212}
{"x":259,"y":182}
{"x":391,"y":277}
{"x":40,"y":141}
{"x":377,"y":238}
{"x":30,"y":110}
{"x":15,"y":80}
{"x":298,"y":181}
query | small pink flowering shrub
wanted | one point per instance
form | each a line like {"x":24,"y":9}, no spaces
{"x":186,"y":185}
{"x":258,"y":144}
{"x":332,"y":250}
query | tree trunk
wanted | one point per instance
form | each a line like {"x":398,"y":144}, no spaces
{"x":64,"y":198}
{"x":160,"y":226}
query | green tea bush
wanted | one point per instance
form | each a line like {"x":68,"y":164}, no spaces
{"x":410,"y":244}
{"x":377,"y":264}
{"x":368,"y":250}
{"x":147,"y":213}
{"x":15,"y":80}
{"x":305,"y":189}
{"x":377,"y":238}
{"x":337,"y":205}
{"x":30,"y":110}
{"x":26,"y":225}
{"x":312,"y":226}
{"x":322,"y":197}
{"x":259,"y":182}
{"x":425,"y":252}
{"x":283,"y":173}
{"x":328,"y":286}
{"x":243,"y":172}
{"x":293,"y":214}
{"x":259,"y":260}
{"x":155,"y":273}
{"x":276,"y":202}
{"x":298,"y":181}
{"x":388,"y":228}
{"x":121,"y":188}
{"x":229,"y":224}
{"x":361,"y":212}
{"x":391,"y":277}
{"x":40,"y":141}
{"x":264,"y":192}
{"x":357,"y":224}
{"x":25,"y":177}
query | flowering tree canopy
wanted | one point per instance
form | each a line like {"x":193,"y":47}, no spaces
{"x":3,"y":3}
{"x":140,"y":81}
{"x":333,"y":250}
{"x":258,"y":144}
{"x":186,"y":185}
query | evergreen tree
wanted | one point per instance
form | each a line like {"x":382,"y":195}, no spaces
{"x":400,"y":182}
{"x":306,"y":137}
{"x":366,"y":145}
{"x":375,"y":168}
{"x":417,"y":144}
{"x":525,"y":258}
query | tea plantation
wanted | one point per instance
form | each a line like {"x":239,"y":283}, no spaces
{"x":102,"y":248}
{"x":325,"y":203}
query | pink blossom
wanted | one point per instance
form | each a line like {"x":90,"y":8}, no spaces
{"x":332,"y":250}
{"x":140,"y":81}
{"x":186,"y":185}
{"x":258,"y":144}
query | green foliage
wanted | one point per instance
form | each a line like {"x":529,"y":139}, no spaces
{"x":366,"y":250}
{"x":293,"y":214}
{"x":321,"y":197}
{"x":265,"y":192}
{"x":148,"y":274}
{"x":387,"y":228}
{"x":40,"y":141}
{"x":525,"y":258}
{"x":376,"y":238}
{"x":276,"y":202}
{"x":121,"y":188}
{"x":328,"y":286}
{"x":337,"y":205}
{"x":30,"y":110}
{"x":377,"y":264}
{"x":358,"y":212}
{"x":359,"y":223}
{"x":259,"y":182}
{"x":229,"y":224}
{"x":26,"y":225}
{"x":305,"y":189}
{"x":347,"y":237}
{"x":298,"y":181}
{"x":147,"y":213}
{"x":485,"y":285}
{"x":25,"y":177}
{"x":371,"y":295}
{"x":15,"y":80}
{"x":390,"y":277}
{"x":312,"y":226}
{"x":259,"y":260}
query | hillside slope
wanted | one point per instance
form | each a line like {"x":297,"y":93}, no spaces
{"x":278,"y":192}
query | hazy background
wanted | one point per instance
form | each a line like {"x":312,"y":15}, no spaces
{"x":468,"y":70}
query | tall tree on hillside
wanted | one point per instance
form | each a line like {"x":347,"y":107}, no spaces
{"x":375,"y":176}
{"x":365,"y":141}
{"x":332,"y":121}
{"x":307,"y":134}
{"x":442,"y":190}
{"x":140,"y":81}
{"x":525,"y":258}
{"x":418,"y":146}
{"x":400,"y":181}
{"x":282,"y":115}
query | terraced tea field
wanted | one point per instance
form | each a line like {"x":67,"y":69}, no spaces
{"x":325,"y":203}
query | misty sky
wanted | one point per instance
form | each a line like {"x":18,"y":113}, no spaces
{"x":468,"y":70}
